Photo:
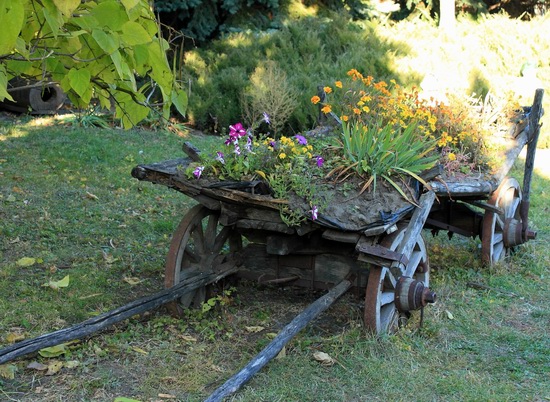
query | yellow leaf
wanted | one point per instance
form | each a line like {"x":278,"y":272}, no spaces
{"x":56,"y":285}
{"x":262,"y":174}
{"x":132,"y":280}
{"x":26,"y":261}
{"x":53,"y":351}
{"x":72,"y":364}
{"x":139,"y":350}
{"x":54,"y":367}
{"x":8,"y":371}
{"x":450,"y":315}
{"x":254,"y":328}
{"x":124,"y":399}
{"x":187,"y":338}
{"x":13,"y":337}
{"x":91,"y":196}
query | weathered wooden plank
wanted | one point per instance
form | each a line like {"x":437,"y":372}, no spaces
{"x":105,"y":320}
{"x":414,"y":228}
{"x":270,"y":351}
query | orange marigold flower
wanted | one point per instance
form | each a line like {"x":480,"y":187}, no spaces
{"x":326,"y":109}
{"x":344,"y":118}
{"x":315,"y":99}
{"x":356,"y":111}
{"x":338,"y":84}
{"x":327,"y":90}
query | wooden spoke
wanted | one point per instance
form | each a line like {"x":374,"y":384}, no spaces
{"x":199,"y":244}
{"x":381,"y":315}
{"x":508,"y":198}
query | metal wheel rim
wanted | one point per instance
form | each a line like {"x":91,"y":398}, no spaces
{"x":381,"y":315}
{"x":507,"y":197}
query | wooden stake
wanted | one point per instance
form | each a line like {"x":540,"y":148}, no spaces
{"x":270,"y":351}
{"x":104,"y":320}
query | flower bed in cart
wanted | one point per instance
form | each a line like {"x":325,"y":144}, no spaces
{"x":364,"y":168}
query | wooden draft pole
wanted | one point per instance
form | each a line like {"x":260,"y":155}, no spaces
{"x":270,"y":351}
{"x":104,"y":320}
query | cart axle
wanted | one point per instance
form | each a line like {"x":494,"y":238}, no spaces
{"x":412,"y":295}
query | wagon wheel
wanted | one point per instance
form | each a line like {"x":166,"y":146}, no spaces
{"x":496,"y":232}
{"x":199,"y":244}
{"x":381,"y":314}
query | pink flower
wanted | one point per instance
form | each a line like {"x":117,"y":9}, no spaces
{"x":314,"y":211}
{"x":198,"y":171}
{"x":237,"y":130}
{"x":301,"y":139}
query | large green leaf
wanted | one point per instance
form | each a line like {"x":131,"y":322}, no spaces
{"x":110,"y":14}
{"x":109,"y":42}
{"x":128,"y":110}
{"x":134,"y":34}
{"x":67,"y":7}
{"x":79,"y":80}
{"x":12,"y":14}
{"x":3,"y":84}
{"x":179,"y":100}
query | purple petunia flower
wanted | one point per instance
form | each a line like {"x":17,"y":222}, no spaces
{"x":301,"y":139}
{"x":272,"y":144}
{"x":314,"y":211}
{"x":198,"y":171}
{"x":266,"y":118}
{"x":237,"y":150}
{"x":319,"y":160}
{"x":219,"y":157}
{"x":248,"y":146}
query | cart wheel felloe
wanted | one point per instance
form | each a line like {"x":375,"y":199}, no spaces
{"x":501,"y":230}
{"x":382,"y":299}
{"x":199,"y":244}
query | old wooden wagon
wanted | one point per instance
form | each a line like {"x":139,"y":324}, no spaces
{"x":234,"y":230}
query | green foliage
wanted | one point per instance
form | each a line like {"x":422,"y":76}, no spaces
{"x":94,"y":50}
{"x":309,"y":51}
{"x":204,"y":19}
{"x":269,"y":92}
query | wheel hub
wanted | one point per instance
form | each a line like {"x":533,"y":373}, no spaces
{"x":412,"y":295}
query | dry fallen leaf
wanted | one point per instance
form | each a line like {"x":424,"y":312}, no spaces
{"x":56,"y":285}
{"x":254,"y":328}
{"x":139,"y":350}
{"x":8,"y":371}
{"x":132,"y":280}
{"x":54,"y":367}
{"x":323,"y":358}
{"x":37,"y":366}
{"x":450,"y":315}
{"x":53,"y":351}
{"x":187,"y":338}
{"x":26,"y":261}
{"x":281,"y":354}
{"x":13,"y":337}
{"x":91,"y":196}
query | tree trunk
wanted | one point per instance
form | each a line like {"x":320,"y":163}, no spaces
{"x":447,"y":15}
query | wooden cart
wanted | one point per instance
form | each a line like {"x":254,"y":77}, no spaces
{"x":235,"y":230}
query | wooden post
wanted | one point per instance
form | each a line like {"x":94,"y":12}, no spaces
{"x":534,"y":118}
{"x":104,"y":320}
{"x":270,"y":351}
